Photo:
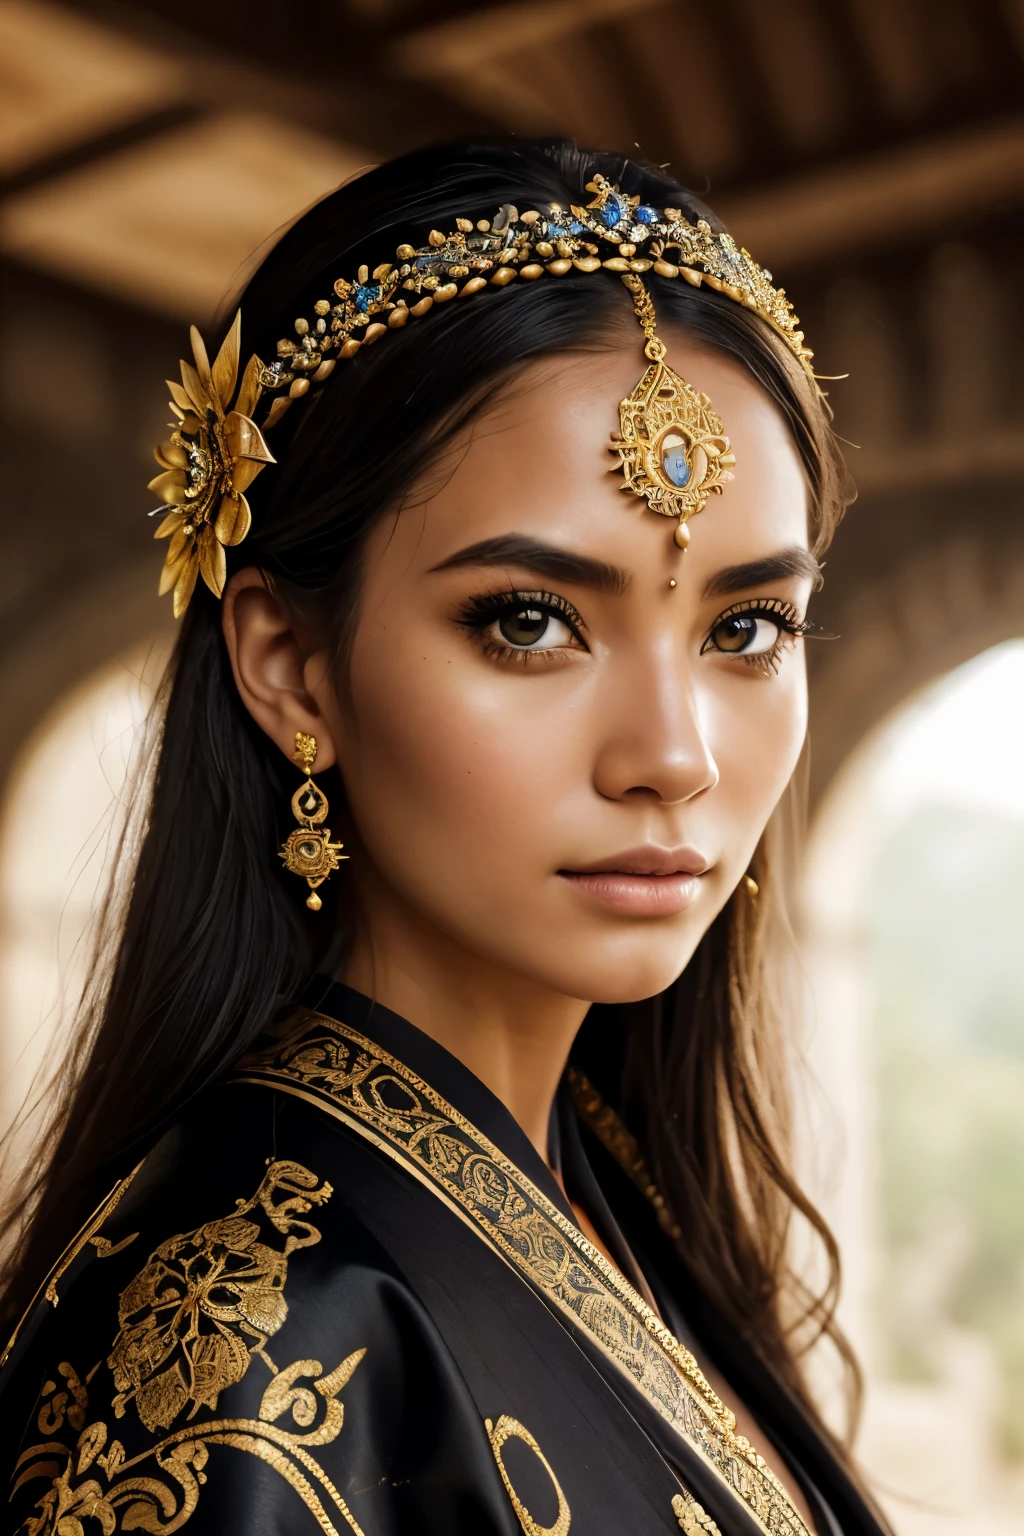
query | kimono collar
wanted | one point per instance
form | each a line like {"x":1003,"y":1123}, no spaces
{"x":405,"y":1098}
{"x":446,"y":1074}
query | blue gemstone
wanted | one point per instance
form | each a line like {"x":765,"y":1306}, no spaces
{"x":611,"y":213}
{"x":365,"y":295}
{"x":647,"y":215}
{"x":674,"y":462}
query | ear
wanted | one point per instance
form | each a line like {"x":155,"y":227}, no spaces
{"x":280,"y":681}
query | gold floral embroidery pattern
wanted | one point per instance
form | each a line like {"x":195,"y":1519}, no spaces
{"x":510,"y":1429}
{"x":185,"y":1325}
{"x":340,"y":1069}
{"x":72,"y":1404}
{"x":186,"y":1317}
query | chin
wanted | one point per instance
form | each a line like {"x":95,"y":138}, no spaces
{"x":624,"y":971}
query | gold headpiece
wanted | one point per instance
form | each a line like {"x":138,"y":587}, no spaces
{"x":213,"y":454}
{"x":670,"y":443}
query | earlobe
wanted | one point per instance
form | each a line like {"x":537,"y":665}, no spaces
{"x":269,"y":663}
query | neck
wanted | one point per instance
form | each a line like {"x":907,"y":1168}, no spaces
{"x":511,"y":1032}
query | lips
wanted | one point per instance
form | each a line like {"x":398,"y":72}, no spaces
{"x":643,"y":882}
{"x":649,"y":860}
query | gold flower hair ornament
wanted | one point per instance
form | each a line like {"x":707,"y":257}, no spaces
{"x":671,"y":445}
{"x":214,"y":453}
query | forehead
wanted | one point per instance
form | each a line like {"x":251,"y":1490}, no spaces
{"x":537,"y":461}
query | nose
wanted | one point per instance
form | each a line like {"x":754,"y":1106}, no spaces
{"x":657,"y":745}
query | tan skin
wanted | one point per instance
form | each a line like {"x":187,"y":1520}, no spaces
{"x":492,"y":756}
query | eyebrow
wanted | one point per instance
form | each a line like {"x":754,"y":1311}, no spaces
{"x":758,"y":573}
{"x":546,"y":559}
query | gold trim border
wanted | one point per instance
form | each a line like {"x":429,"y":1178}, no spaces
{"x":335,"y":1067}
{"x":47,"y":1287}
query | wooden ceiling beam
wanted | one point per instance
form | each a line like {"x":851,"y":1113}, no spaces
{"x":483,"y":36}
{"x":321,"y":65}
{"x":890,"y":198}
{"x":99,"y":146}
{"x":465,"y":55}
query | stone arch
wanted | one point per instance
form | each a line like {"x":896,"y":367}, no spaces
{"x":910,"y":626}
{"x":107,"y":618}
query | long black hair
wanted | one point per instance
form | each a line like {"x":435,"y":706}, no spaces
{"x":204,"y":937}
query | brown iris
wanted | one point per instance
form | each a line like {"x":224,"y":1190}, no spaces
{"x":736,"y":633}
{"x":524,"y":626}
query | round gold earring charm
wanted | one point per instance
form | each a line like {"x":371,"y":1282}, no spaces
{"x":751,"y":886}
{"x":308,"y":851}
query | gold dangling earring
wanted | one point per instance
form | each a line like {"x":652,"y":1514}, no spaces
{"x":308,"y":851}
{"x":751,"y":887}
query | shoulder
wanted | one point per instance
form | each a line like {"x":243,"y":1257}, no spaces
{"x":247,"y":1191}
{"x":229,"y":1296}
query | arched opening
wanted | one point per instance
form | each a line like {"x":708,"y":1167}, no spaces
{"x":914,"y":910}
{"x":64,"y":808}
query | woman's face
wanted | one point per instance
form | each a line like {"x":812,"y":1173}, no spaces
{"x":561,"y":737}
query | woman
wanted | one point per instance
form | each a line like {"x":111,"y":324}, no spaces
{"x":454,"y":1197}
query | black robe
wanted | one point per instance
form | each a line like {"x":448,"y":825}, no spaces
{"x":345,"y":1292}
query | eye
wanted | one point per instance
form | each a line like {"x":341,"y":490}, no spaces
{"x":523,"y":624}
{"x":753,"y":634}
{"x":532,"y":629}
{"x":755,"y":631}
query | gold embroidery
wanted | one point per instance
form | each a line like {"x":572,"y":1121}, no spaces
{"x":340,"y":1069}
{"x":105,"y":1249}
{"x":510,"y":1429}
{"x":180,"y":1345}
{"x":86,"y":1234}
{"x":183,"y":1316}
{"x":622,"y":1145}
{"x":692,"y":1517}
{"x":72,"y":1404}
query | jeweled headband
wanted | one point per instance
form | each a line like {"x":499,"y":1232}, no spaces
{"x":671,"y":446}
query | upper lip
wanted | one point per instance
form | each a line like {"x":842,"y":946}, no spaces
{"x":648,"y":860}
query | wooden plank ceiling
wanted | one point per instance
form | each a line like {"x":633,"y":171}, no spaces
{"x":148,"y":148}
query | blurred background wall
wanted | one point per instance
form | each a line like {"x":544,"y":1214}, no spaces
{"x":872,"y":151}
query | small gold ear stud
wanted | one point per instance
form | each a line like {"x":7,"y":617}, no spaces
{"x":751,"y":886}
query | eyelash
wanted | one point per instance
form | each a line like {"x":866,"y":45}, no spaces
{"x":484,"y":609}
{"x":791,"y":627}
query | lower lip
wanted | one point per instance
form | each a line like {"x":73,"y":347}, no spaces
{"x":639,"y":895}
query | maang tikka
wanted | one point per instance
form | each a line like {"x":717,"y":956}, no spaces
{"x":308,"y":851}
{"x":671,"y":446}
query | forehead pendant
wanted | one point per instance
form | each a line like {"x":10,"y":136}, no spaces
{"x":671,"y":447}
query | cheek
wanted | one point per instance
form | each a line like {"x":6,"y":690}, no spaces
{"x":756,"y":728}
{"x":444,"y":761}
